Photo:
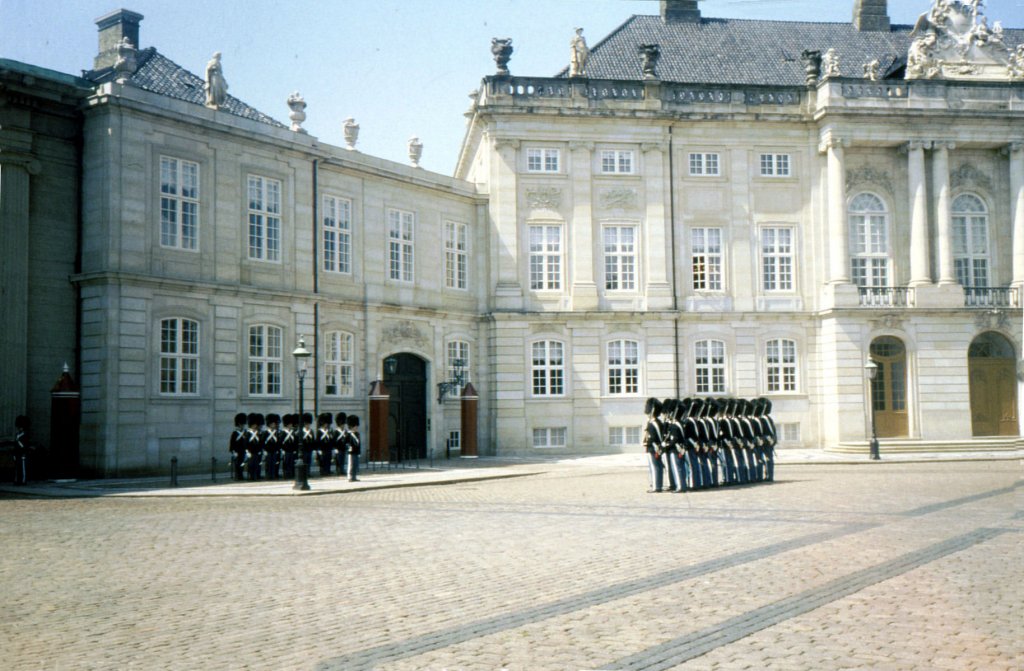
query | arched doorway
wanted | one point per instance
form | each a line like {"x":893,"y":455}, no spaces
{"x":992,"y":366}
{"x":406,"y":380}
{"x":889,"y":388}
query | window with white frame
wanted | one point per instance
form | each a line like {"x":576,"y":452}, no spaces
{"x":709,"y":366}
{"x":780,"y":364}
{"x":706,"y":258}
{"x":337,"y":231}
{"x":547,"y":368}
{"x":970,"y":241}
{"x":179,"y":356}
{"x":704,"y":165}
{"x":265,"y":360}
{"x":549,"y":437}
{"x":775,"y":165}
{"x":542,"y":160}
{"x":624,"y":436}
{"x":456,"y":255}
{"x":616,"y":161}
{"x":454,"y":440}
{"x":620,"y":258}
{"x":545,"y":258}
{"x":179,"y":203}
{"x":264,"y":218}
{"x":777,"y":258}
{"x":339,"y":358}
{"x":869,"y":241}
{"x":458,"y":351}
{"x":623,"y":365}
{"x":400,"y":245}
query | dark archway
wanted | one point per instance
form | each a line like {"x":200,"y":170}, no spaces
{"x":407,"y":407}
{"x":992,"y":366}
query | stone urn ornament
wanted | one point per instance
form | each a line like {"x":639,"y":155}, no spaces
{"x":351,"y":129}
{"x":812,"y":67}
{"x":298,"y":107}
{"x":649,"y":55}
{"x":415,"y":151}
{"x":501,"y":48}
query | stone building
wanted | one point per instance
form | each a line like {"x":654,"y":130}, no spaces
{"x":703,"y":207}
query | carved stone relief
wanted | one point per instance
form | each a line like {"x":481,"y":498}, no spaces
{"x":405,"y":332}
{"x":967,"y":174}
{"x":870,"y":175}
{"x":992,"y":319}
{"x":953,"y":40}
{"x":544,"y":197}
{"x":624,"y":198}
{"x":892,"y":321}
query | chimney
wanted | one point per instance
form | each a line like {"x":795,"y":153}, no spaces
{"x":680,"y":11}
{"x":871,"y":15}
{"x":113,"y":27}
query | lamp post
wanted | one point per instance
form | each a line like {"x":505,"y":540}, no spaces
{"x":453,"y":385}
{"x":301,"y":355}
{"x":871,"y":370}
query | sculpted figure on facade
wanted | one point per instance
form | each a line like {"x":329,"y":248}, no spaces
{"x":871,"y":70}
{"x":953,"y":40}
{"x":415,"y":151}
{"x":578,"y":56}
{"x":351,"y":130}
{"x":126,"y":63}
{"x":649,"y":54}
{"x":216,"y":86}
{"x":1015,"y":67}
{"x":830,"y":64}
{"x":920,"y":63}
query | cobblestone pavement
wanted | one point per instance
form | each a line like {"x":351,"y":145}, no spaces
{"x":888,"y":566}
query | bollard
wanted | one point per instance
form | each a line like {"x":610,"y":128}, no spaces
{"x":213,"y":468}
{"x":174,"y":471}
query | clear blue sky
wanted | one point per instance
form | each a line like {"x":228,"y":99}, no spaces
{"x":399,"y":67}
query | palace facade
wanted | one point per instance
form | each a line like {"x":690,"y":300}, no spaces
{"x":697,"y":207}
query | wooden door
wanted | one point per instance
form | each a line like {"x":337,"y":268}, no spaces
{"x":993,"y":386}
{"x":407,"y":408}
{"x":889,"y":388}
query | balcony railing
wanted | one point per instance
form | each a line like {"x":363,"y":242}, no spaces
{"x":991,"y":297}
{"x":886,"y":297}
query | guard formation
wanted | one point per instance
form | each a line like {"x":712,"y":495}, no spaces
{"x":708,"y":442}
{"x":20,"y":449}
{"x":266,"y":448}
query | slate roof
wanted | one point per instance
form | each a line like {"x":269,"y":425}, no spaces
{"x":745,"y":51}
{"x":161,"y":75}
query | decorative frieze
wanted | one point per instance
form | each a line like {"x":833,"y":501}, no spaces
{"x":544,"y":197}
{"x":620,"y":198}
{"x":868,"y":174}
{"x":967,"y":174}
{"x":405,"y":332}
{"x":892,"y":321}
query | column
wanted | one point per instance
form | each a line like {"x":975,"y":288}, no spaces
{"x":657,"y":225}
{"x":1016,"y":153}
{"x":584,"y":290}
{"x":920,"y":272}
{"x":943,"y":215}
{"x":14,"y":259}
{"x":504,"y":209}
{"x":838,"y":230}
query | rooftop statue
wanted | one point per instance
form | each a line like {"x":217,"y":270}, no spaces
{"x":501,"y":49}
{"x":579,"y":55}
{"x":830,"y":64}
{"x":953,"y":40}
{"x":216,"y":86}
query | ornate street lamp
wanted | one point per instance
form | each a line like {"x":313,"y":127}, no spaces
{"x":453,"y":385}
{"x":871,"y":370}
{"x":301,"y":355}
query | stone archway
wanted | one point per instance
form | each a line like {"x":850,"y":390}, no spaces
{"x":992,"y":367}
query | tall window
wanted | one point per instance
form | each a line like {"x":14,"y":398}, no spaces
{"x":548,"y":368}
{"x":456,"y":254}
{"x":620,"y":258}
{"x":542,"y":160}
{"x":179,"y":203}
{"x":869,"y":241}
{"x":458,"y":350}
{"x":704,"y":165}
{"x":780,"y":364}
{"x":338,"y":366}
{"x":545,"y":258}
{"x":264,"y":360}
{"x":709,"y":365}
{"x":616,"y":161}
{"x":623,"y":365}
{"x":775,"y":165}
{"x":706,"y":258}
{"x":777,"y":258}
{"x":970,"y":241}
{"x":400,"y":241}
{"x":337,"y":231}
{"x":179,"y":356}
{"x":264,"y":218}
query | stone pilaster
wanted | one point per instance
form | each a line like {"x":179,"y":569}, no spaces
{"x":1016,"y":153}
{"x":584,"y":289}
{"x":659,"y":291}
{"x":943,"y":214}
{"x":508,"y":292}
{"x":920,"y":271}
{"x":14,"y":260}
{"x":839,"y":290}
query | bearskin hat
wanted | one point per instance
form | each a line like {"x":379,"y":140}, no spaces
{"x":352,"y":421}
{"x":324,"y":418}
{"x":254,"y":418}
{"x":240,"y":418}
{"x":307,"y":418}
{"x":273,"y":418}
{"x":339,"y":419}
{"x":652,"y":407}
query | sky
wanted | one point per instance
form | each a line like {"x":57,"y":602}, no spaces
{"x":400,"y":68}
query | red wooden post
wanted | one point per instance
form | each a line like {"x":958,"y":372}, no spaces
{"x":65,"y":414}
{"x":379,"y":398}
{"x":470,"y":400}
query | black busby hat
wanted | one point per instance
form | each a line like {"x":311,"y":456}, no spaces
{"x":273,"y":418}
{"x":668,"y":407}
{"x":352,"y":421}
{"x":712,"y":407}
{"x":240,"y":418}
{"x":254,"y":418}
{"x":307,"y":418}
{"x":323,"y":418}
{"x":22,"y":422}
{"x":339,"y":419}
{"x":767,"y":409}
{"x":653,"y":406}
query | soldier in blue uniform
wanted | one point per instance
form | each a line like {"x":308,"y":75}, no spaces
{"x":324,"y":442}
{"x":236,"y":446}
{"x":652,"y":439}
{"x":272,"y":447}
{"x":254,"y":446}
{"x":289,"y":444}
{"x":21,"y":449}
{"x":340,"y":453}
{"x":308,"y":434}
{"x":352,"y":446}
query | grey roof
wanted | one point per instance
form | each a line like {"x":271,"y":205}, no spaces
{"x":743,"y":51}
{"x":159,"y":74}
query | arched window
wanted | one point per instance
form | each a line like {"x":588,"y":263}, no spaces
{"x":970,"y":241}
{"x":869,"y":241}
